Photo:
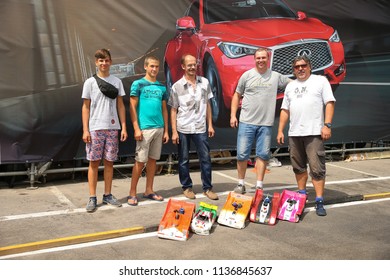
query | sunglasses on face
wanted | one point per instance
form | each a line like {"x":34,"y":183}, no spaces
{"x":303,"y":66}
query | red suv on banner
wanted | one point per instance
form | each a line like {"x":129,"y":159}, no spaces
{"x":224,"y":34}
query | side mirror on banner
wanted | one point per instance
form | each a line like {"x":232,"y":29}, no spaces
{"x":185,"y":23}
{"x":301,"y":15}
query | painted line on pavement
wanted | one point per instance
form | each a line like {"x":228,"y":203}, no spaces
{"x":61,"y":197}
{"x":351,"y":169}
{"x":108,"y":207}
{"x":376,"y":196}
{"x":60,"y":242}
{"x":154,"y":234}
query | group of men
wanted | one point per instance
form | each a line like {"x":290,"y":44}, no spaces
{"x":191,"y":121}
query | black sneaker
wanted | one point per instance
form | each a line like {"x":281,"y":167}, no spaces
{"x":320,"y":210}
{"x":110,"y":199}
{"x":92,"y":204}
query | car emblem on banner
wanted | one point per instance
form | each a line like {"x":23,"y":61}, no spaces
{"x":305,"y":52}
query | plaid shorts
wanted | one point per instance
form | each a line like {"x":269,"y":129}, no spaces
{"x":104,"y":144}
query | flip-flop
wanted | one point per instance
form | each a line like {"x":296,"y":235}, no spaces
{"x":153,"y":196}
{"x":134,"y":198}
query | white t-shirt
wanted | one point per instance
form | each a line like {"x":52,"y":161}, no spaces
{"x":103,"y":111}
{"x":305,"y":101}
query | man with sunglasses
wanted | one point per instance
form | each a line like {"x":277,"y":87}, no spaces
{"x":309,"y":104}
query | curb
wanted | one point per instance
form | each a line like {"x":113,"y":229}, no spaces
{"x":376,"y":195}
{"x":71,"y":240}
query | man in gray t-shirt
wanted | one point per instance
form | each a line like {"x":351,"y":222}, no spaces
{"x":257,"y":88}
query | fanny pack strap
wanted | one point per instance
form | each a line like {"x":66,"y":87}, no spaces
{"x":106,"y":88}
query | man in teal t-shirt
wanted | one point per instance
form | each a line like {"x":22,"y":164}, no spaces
{"x":149,"y":116}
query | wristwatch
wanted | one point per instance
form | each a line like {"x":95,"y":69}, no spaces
{"x":328,"y":125}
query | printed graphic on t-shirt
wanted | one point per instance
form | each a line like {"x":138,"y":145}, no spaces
{"x":300,"y":91}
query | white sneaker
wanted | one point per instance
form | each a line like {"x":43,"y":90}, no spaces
{"x":274,"y":162}
{"x":239,"y":189}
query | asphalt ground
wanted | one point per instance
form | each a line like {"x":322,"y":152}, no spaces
{"x":50,"y":222}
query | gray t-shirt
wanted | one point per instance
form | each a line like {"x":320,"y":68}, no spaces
{"x":258,"y":93}
{"x":103,"y":111}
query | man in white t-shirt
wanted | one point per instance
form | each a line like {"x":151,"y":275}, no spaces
{"x":310,"y":125}
{"x":103,"y":115}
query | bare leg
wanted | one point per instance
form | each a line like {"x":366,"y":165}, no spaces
{"x":319,"y":186}
{"x":261,"y":165}
{"x":136,"y":173}
{"x":150,"y":172}
{"x":108,"y":174}
{"x":302,"y":180}
{"x":93,"y":171}
{"x":241,"y":168}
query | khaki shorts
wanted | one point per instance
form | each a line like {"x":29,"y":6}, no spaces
{"x":308,"y":150}
{"x":150,"y":146}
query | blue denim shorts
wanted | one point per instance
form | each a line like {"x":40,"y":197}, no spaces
{"x":249,"y":134}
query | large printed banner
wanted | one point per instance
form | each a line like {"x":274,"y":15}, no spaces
{"x":47,"y":49}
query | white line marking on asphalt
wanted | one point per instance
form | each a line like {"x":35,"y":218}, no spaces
{"x":154,"y":234}
{"x":61,"y":197}
{"x":107,"y":207}
{"x":83,"y":245}
{"x":346,"y":204}
{"x":354,"y":170}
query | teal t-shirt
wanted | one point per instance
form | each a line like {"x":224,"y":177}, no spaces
{"x":150,"y":96}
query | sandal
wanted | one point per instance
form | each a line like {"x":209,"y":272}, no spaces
{"x":153,"y":196}
{"x":134,"y":199}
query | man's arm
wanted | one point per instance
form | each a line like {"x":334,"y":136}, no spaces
{"x":175,"y":135}
{"x":134,"y":118}
{"x":326,"y":132}
{"x":85,"y":111}
{"x":122,"y":117}
{"x":283,"y":119}
{"x":209,"y":115}
{"x":233,"y":109}
{"x":165,"y":117}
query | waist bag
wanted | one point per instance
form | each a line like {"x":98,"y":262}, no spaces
{"x":106,"y":88}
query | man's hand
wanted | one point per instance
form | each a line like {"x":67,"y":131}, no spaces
{"x":175,"y":138}
{"x":124,"y":135}
{"x":233,"y":122}
{"x":138,"y":135}
{"x":211,"y":131}
{"x":86,"y":137}
{"x":280,"y":138}
{"x":326,"y":133}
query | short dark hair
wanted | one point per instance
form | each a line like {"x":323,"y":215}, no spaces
{"x":102,"y":53}
{"x":150,"y":57}
{"x":301,"y":57}
{"x":261,"y":50}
